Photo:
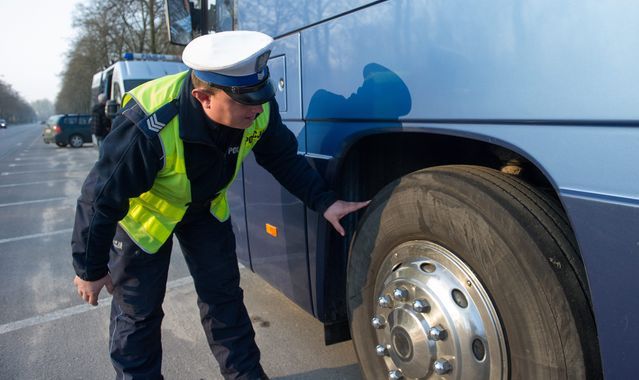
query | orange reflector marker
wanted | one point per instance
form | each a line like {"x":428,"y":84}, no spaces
{"x":271,"y":230}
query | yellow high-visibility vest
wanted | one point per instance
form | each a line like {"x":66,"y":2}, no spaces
{"x":153,"y":215}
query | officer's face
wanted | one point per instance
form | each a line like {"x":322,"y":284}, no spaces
{"x":222,"y":109}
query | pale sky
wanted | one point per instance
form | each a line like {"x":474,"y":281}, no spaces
{"x":34,"y":37}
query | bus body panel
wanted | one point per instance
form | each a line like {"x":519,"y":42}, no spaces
{"x":460,"y":60}
{"x":280,"y":256}
{"x":604,"y":229}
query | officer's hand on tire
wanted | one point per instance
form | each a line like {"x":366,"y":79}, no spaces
{"x":90,"y":290}
{"x":340,"y":209}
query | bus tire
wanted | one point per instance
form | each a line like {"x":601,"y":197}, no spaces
{"x":472,"y":273}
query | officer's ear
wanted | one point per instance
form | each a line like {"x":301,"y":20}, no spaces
{"x":202,"y":96}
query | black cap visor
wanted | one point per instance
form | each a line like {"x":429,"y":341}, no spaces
{"x":260,"y":93}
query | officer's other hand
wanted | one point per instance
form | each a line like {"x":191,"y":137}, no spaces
{"x":90,"y":290}
{"x":340,"y":209}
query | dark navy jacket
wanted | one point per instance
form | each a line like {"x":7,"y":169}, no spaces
{"x":131,"y":160}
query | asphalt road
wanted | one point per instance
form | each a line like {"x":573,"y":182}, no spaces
{"x":46,"y":332}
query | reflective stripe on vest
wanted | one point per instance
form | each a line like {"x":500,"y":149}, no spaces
{"x":153,"y":215}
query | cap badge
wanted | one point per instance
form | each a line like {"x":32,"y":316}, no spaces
{"x":260,"y":62}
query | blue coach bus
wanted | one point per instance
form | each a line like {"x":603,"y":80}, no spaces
{"x":499,"y":141}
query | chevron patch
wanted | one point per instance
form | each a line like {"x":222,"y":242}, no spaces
{"x":153,"y":124}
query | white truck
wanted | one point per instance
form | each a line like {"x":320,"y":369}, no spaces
{"x":133,"y":70}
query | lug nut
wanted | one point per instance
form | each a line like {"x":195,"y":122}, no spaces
{"x":385,"y":302}
{"x":421,"y":306}
{"x":400,"y":294}
{"x":442,"y":366}
{"x":437,"y":333}
{"x":395,"y":375}
{"x":378,"y":322}
{"x":381,"y":350}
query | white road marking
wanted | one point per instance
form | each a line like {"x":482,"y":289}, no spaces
{"x":37,"y":182}
{"x":74,"y":310}
{"x":43,"y":234}
{"x":30,"y":202}
{"x":25,"y":164}
{"x":32,"y":158}
{"x":79,"y":309}
{"x":78,"y":170}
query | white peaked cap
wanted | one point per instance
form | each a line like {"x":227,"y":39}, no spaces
{"x":236,"y":53}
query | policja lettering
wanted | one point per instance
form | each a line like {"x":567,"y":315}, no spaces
{"x":254,"y":136}
{"x":153,"y":184}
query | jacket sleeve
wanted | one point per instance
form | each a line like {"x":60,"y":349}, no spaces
{"x":276,"y":151}
{"x":129,"y":164}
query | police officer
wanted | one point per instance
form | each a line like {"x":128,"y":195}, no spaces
{"x":100,"y":124}
{"x":169,"y":160}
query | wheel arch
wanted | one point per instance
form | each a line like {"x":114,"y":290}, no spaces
{"x":410,"y":149}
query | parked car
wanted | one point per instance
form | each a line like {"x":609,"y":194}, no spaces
{"x":68,"y":129}
{"x":3,"y":123}
{"x":47,"y":132}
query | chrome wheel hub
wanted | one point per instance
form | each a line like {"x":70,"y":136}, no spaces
{"x":410,"y":349}
{"x":434,"y":318}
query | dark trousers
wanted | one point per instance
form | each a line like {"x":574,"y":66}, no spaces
{"x":140,"y":279}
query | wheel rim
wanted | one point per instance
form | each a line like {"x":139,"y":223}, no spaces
{"x":433,"y":317}
{"x":76,"y":141}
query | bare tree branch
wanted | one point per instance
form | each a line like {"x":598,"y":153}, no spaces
{"x":105,"y":30}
